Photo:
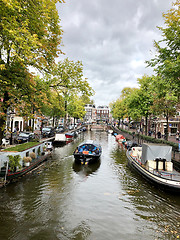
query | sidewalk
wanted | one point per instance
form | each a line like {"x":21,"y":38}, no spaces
{"x":170,"y":138}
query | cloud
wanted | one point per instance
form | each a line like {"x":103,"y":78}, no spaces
{"x":113,"y":39}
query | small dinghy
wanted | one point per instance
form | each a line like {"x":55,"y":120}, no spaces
{"x":87,"y":152}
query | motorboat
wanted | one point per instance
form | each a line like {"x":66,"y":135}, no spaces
{"x":120,"y":138}
{"x":69,"y":135}
{"x":153,"y":162}
{"x":87,"y":152}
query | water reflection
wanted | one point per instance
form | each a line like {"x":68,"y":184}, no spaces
{"x":86,"y":170}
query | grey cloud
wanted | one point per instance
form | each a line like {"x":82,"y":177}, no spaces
{"x":113,"y":39}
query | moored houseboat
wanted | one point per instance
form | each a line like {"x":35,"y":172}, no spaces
{"x":16,"y":164}
{"x":153,"y":162}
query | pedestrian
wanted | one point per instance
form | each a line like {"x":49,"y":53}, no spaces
{"x":159,"y":134}
{"x":177,"y":135}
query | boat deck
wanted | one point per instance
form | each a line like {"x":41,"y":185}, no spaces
{"x":174,"y":175}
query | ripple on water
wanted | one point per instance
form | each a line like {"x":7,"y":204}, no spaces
{"x":106,"y":201}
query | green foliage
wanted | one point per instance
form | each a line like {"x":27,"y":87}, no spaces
{"x":164,"y":97}
{"x":167,"y":60}
{"x":76,"y":107}
{"x":14,"y":162}
{"x":30,"y":32}
{"x":119,"y":107}
{"x":30,"y":35}
{"x":66,"y":80}
{"x":140,"y":100}
{"x":157,"y":95}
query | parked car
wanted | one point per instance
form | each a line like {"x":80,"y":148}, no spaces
{"x":71,"y":127}
{"x":24,"y":137}
{"x":48,"y":132}
{"x":60,"y":129}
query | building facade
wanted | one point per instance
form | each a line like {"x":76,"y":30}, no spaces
{"x":90,"y":115}
{"x":103,"y":114}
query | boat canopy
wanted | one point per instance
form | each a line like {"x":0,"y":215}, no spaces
{"x":153,"y":151}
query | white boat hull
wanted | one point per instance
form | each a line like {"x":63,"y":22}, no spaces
{"x":160,"y":181}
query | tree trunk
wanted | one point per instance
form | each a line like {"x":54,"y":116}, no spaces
{"x":118,"y":122}
{"x":146,"y":125}
{"x":53,"y":123}
{"x":5,"y":106}
{"x":2,"y":123}
{"x":65,"y":117}
{"x":166,"y":130}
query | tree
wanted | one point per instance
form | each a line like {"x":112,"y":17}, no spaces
{"x":164,"y":100}
{"x":29,"y":32}
{"x":30,"y":35}
{"x":140,"y":100}
{"x":49,"y":102}
{"x":119,"y":110}
{"x":119,"y":107}
{"x":67,"y":80}
{"x":76,"y":108}
{"x":166,"y":63}
{"x":86,"y":99}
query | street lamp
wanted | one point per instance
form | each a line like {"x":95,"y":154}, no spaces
{"x":12,"y":115}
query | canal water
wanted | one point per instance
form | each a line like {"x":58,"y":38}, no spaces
{"x":105,"y":201}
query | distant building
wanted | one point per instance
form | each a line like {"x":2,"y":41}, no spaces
{"x":173,"y":125}
{"x":90,"y":115}
{"x":103,"y":113}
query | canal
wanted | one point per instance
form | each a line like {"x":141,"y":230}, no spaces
{"x":105,"y":201}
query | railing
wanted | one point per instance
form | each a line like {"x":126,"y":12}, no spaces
{"x":165,"y":175}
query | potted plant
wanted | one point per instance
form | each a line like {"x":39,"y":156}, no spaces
{"x":27,"y":161}
{"x":32,"y":155}
{"x":14,"y":162}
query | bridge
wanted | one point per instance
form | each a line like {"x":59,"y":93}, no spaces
{"x":100,"y":127}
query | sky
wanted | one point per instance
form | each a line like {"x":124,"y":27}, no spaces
{"x":113,"y":39}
